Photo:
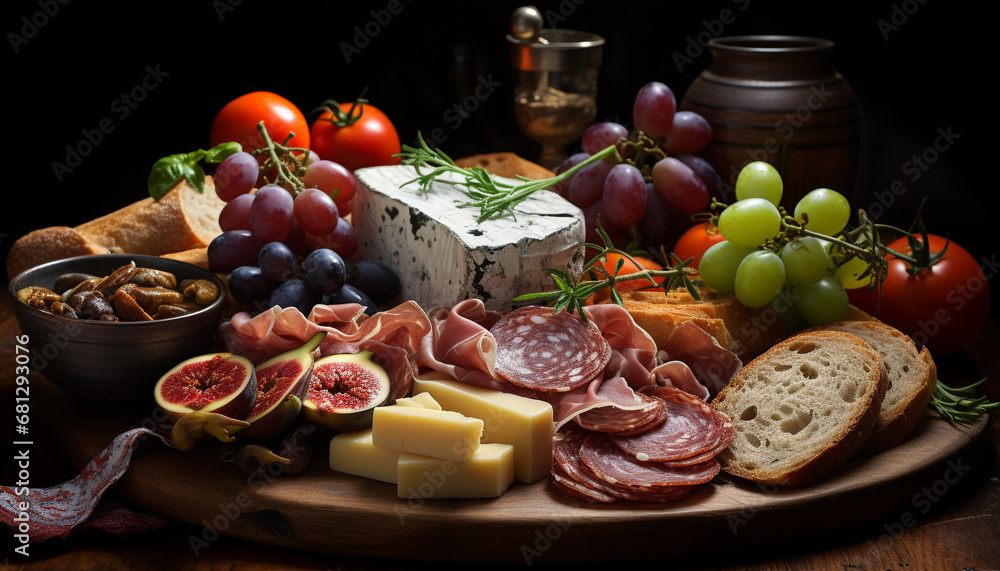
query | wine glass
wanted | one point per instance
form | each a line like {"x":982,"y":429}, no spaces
{"x":555,"y":98}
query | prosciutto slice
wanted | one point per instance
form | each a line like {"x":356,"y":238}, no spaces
{"x":393,"y":336}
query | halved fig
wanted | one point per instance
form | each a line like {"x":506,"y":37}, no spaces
{"x":282,"y":382}
{"x":218,"y":382}
{"x":344,"y":391}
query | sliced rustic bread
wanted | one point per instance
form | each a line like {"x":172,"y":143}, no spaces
{"x":803,"y":408}
{"x":183,"y":219}
{"x":912,"y":377}
{"x":746,"y":331}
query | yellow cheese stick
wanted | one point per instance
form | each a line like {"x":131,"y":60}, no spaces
{"x":354,"y":453}
{"x":420,"y":400}
{"x":522,"y":422}
{"x":442,"y":434}
{"x":486,"y":474}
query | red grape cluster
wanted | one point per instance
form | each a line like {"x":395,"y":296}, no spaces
{"x":288,"y":248}
{"x":661,"y":181}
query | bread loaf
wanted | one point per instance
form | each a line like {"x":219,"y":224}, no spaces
{"x":912,"y":378}
{"x":183,"y":219}
{"x":803,"y":408}
{"x":507,"y":165}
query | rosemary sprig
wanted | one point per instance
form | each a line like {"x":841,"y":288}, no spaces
{"x":961,"y":405}
{"x":493,"y":198}
{"x":571,"y":292}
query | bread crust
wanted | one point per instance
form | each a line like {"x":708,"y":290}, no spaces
{"x":743,"y":330}
{"x":183,"y":219}
{"x":908,"y":395}
{"x":506,"y":164}
{"x":840,"y":446}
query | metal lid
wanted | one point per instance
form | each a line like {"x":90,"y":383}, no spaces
{"x":556,"y":50}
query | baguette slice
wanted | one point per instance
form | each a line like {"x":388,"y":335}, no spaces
{"x":183,"y":219}
{"x":803,"y":408}
{"x":912,"y":378}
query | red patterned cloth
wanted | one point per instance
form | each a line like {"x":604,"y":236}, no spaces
{"x":56,"y":511}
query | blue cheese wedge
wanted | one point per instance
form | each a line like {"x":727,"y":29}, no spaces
{"x":443,"y":255}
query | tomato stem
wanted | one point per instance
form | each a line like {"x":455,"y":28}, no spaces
{"x":337,"y":115}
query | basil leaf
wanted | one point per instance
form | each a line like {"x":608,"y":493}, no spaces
{"x":195,"y":156}
{"x":164,"y":176}
{"x":219,"y":152}
{"x":196,"y":176}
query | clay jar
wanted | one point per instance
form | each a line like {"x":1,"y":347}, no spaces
{"x":779,"y":99}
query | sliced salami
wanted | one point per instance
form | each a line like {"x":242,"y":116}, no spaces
{"x":611,"y":464}
{"x":540,"y":349}
{"x":612,"y":419}
{"x":693,"y":430}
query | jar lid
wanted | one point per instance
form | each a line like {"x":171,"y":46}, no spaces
{"x":556,"y":50}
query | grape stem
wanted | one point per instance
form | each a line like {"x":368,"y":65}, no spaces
{"x":287,"y":166}
{"x":494,"y":199}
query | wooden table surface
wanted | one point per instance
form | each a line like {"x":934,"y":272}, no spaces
{"x":952,"y":524}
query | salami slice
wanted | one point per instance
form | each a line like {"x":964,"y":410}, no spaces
{"x":693,"y":431}
{"x":611,"y":464}
{"x":612,"y":419}
{"x":540,"y":349}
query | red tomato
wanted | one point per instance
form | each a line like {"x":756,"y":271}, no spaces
{"x":695,"y":240}
{"x":370,"y":141}
{"x":943,"y":307}
{"x":237,"y":121}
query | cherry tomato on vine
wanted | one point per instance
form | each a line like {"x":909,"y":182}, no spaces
{"x":943,"y":307}
{"x":355,"y":135}
{"x":695,"y":240}
{"x":237,"y":121}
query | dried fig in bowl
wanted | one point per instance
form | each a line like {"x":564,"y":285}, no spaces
{"x":218,"y":382}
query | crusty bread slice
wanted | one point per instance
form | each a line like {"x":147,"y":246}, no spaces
{"x":803,"y":408}
{"x":183,"y":219}
{"x":912,"y":377}
{"x":746,"y":331}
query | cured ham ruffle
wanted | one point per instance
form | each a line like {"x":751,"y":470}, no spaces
{"x":393,"y":336}
{"x":648,"y":398}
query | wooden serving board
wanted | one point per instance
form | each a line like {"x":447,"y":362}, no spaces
{"x":325,"y":511}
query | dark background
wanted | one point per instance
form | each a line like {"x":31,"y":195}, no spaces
{"x":935,"y":70}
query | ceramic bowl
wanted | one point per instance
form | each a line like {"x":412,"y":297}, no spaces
{"x":106,"y":361}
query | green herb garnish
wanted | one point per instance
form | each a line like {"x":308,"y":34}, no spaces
{"x":494,"y":199}
{"x":169,"y":170}
{"x":961,"y":404}
{"x":571,"y":292}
